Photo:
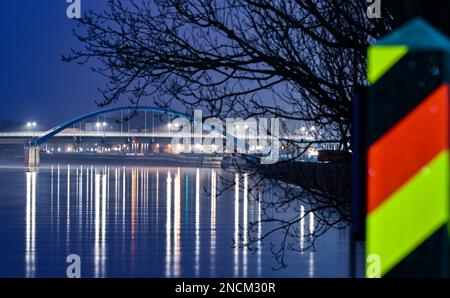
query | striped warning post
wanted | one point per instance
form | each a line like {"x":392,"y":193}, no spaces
{"x":407,"y":157}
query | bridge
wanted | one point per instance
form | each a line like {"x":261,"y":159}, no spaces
{"x":70,"y":123}
{"x":67,"y":129}
{"x":25,"y":136}
{"x":101,"y":133}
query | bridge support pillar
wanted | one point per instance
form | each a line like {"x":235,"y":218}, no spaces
{"x":32,"y":158}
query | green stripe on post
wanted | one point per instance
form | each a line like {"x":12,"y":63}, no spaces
{"x":410,"y":215}
{"x":381,"y":60}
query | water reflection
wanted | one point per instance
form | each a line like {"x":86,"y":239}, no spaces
{"x":51,"y":196}
{"x":58,"y":205}
{"x":311,"y":259}
{"x":302,"y":228}
{"x":100,"y":224}
{"x":80,"y":199}
{"x":236,"y":225}
{"x":176,"y":226}
{"x":168,"y":223}
{"x":245,"y":227}
{"x":124,"y":189}
{"x":197,"y":222}
{"x":259,"y":234}
{"x":213,"y":221}
{"x":129,"y":221}
{"x":30,"y":253}
{"x":68,"y":206}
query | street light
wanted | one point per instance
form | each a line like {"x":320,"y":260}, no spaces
{"x":104,"y":124}
{"x":32,"y":125}
{"x":97,"y":125}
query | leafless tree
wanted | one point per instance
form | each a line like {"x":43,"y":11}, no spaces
{"x":299,"y":60}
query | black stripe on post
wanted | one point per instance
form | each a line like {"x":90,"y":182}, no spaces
{"x":401,"y":89}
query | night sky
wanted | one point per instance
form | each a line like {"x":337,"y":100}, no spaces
{"x":35,"y":84}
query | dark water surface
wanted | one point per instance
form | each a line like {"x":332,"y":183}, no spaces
{"x":145,"y":222}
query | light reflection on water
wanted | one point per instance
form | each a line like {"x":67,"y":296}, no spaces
{"x":147,"y":222}
{"x":30,"y":225}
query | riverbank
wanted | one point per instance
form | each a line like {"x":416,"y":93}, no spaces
{"x":160,"y":159}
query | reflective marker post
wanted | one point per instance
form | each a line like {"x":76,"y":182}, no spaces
{"x":407,"y":158}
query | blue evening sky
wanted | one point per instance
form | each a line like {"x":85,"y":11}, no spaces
{"x":35,"y":84}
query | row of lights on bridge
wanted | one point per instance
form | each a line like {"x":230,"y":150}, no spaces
{"x":34,"y":124}
{"x":104,"y":124}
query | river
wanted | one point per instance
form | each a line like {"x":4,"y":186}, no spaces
{"x":147,"y":222}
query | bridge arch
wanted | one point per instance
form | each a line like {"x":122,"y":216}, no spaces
{"x":53,"y":131}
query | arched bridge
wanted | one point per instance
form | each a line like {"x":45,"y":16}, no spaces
{"x":69,"y":123}
{"x":33,"y":145}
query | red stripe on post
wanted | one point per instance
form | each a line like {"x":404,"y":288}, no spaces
{"x":414,"y":141}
